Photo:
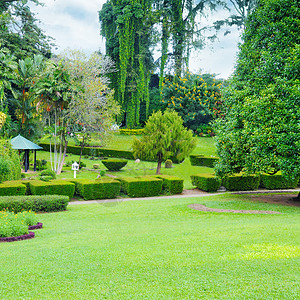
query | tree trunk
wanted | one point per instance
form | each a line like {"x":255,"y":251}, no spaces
{"x":298,"y":197}
{"x":63,"y":158}
{"x":81,"y":149}
{"x":159,"y":163}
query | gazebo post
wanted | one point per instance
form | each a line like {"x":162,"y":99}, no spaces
{"x":34,"y":165}
{"x":26,"y":160}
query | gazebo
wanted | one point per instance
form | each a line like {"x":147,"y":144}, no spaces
{"x":20,"y":143}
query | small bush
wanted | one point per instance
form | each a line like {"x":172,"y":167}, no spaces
{"x":114,"y":164}
{"x":96,"y":166}
{"x":141,"y":186}
{"x":168,"y":164}
{"x":82,"y":165}
{"x":12,"y":188}
{"x":277,"y":181}
{"x":102,"y":188}
{"x":206,"y":182}
{"x":43,"y":203}
{"x":171,"y":184}
{"x":41,"y":164}
{"x":241,"y":182}
{"x":48,"y":173}
{"x":46,"y":178}
{"x":102,"y":173}
{"x":55,"y":187}
{"x":205,"y":161}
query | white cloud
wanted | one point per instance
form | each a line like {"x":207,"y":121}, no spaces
{"x":74,"y":24}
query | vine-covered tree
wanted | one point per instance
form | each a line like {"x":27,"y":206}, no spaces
{"x":127,"y":26}
{"x":164,"y":137}
{"x":260,"y":130}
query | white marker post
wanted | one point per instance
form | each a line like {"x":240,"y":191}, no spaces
{"x":75,"y":167}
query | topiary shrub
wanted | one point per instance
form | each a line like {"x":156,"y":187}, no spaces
{"x":171,"y":184}
{"x":168,"y":164}
{"x":114,"y":164}
{"x":41,"y":164}
{"x":241,"y":182}
{"x":48,"y":173}
{"x":102,"y":188}
{"x":34,"y":203}
{"x":206,"y":182}
{"x":204,"y":161}
{"x":45,"y":178}
{"x":10,"y":188}
{"x":277,"y":181}
{"x":55,"y":187}
{"x":141,"y":186}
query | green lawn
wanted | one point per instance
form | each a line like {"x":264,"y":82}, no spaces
{"x":157,"y":249}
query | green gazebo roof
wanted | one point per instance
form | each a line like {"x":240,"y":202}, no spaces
{"x":19,"y":142}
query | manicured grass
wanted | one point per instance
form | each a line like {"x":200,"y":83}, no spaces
{"x":157,"y":249}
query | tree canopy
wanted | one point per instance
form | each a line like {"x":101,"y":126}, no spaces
{"x":164,"y":137}
{"x":260,"y":128}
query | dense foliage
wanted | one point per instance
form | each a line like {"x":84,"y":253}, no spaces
{"x":260,"y":130}
{"x":164,"y":137}
{"x":197,"y":99}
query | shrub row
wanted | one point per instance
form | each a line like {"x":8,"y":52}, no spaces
{"x":141,"y":186}
{"x":102,"y":188}
{"x":34,"y":203}
{"x":206,"y":182}
{"x":243,"y":182}
{"x":56,"y":187}
{"x":131,"y":131}
{"x":171,"y":184}
{"x":202,"y":160}
{"x":95,"y":151}
{"x":277,"y":181}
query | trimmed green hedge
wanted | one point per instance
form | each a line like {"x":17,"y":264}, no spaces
{"x":34,"y":203}
{"x":96,"y":151}
{"x":12,"y":188}
{"x":277,"y":181}
{"x":241,"y":182}
{"x":114,"y":164}
{"x":202,"y":160}
{"x":172,"y":184}
{"x":206,"y":182}
{"x":102,"y":188}
{"x":55,"y":187}
{"x":131,"y":131}
{"x":141,"y":186}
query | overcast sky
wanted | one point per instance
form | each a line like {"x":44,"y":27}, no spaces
{"x":74,"y":24}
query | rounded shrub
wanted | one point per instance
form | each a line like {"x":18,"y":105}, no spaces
{"x":114,"y":164}
{"x":96,"y":166}
{"x":168,"y":164}
{"x":48,"y":173}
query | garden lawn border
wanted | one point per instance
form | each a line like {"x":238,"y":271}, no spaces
{"x":29,"y":235}
{"x":37,"y":226}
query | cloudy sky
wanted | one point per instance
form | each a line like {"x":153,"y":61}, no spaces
{"x":74,"y":24}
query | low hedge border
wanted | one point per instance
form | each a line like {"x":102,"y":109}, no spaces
{"x":12,"y":188}
{"x":241,"y":182}
{"x":171,"y":184}
{"x":45,"y":203}
{"x":94,"y":151}
{"x":56,"y":187}
{"x":29,"y":235}
{"x":37,"y":226}
{"x":141,"y":186}
{"x":206,"y":182}
{"x":131,"y":131}
{"x":102,"y":188}
{"x":277,"y":181}
{"x":204,"y":161}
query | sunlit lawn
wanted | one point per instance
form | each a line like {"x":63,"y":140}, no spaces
{"x":157,"y":249}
